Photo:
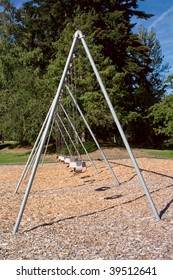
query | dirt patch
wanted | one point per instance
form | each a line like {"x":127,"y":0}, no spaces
{"x":87,"y":216}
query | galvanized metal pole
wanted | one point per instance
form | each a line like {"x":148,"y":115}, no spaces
{"x":94,"y":138}
{"x":30,"y":164}
{"x":32,"y":160}
{"x":48,"y":123}
{"x":68,"y":135}
{"x":32,"y":152}
{"x":48,"y":139}
{"x":63,"y":138}
{"x":78,"y":136}
{"x":141,"y":179}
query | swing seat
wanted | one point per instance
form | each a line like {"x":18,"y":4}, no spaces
{"x":67,"y":160}
{"x":73,"y":161}
{"x":61,"y":158}
{"x":79,"y":166}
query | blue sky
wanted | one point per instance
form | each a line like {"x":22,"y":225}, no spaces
{"x":17,"y":3}
{"x":162,"y":22}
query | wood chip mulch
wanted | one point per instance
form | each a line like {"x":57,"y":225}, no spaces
{"x":86,"y":215}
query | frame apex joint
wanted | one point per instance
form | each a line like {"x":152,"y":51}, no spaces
{"x":78,"y":34}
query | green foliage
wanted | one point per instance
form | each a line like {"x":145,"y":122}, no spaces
{"x":168,"y":144}
{"x":22,"y":111}
{"x":149,"y":88}
{"x":162,"y":116}
{"x":90,"y":146}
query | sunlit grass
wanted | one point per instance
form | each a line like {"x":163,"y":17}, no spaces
{"x":11,"y":156}
{"x":159,"y":153}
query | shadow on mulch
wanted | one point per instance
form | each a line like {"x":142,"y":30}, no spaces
{"x":162,"y":212}
{"x":113,"y":197}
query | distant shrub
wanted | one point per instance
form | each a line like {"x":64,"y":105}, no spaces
{"x":89,"y":146}
{"x":168,"y":144}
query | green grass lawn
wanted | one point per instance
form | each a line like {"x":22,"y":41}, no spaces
{"x":11,"y":157}
{"x":159,"y":153}
{"x":20,"y":155}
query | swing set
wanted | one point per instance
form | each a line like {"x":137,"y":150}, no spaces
{"x":54,"y":117}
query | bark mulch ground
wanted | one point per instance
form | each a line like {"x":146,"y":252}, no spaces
{"x":86,"y":215}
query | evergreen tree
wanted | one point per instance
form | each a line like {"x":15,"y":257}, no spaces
{"x":21,"y":107}
{"x":161,"y":114}
{"x":149,"y":88}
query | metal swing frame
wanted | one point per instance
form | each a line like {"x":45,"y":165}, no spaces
{"x":41,"y":139}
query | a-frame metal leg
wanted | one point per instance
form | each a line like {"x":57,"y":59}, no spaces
{"x":31,"y":156}
{"x":48,"y":139}
{"x":141,"y":179}
{"x":43,"y":139}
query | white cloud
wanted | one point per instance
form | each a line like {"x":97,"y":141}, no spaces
{"x":162,"y":16}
